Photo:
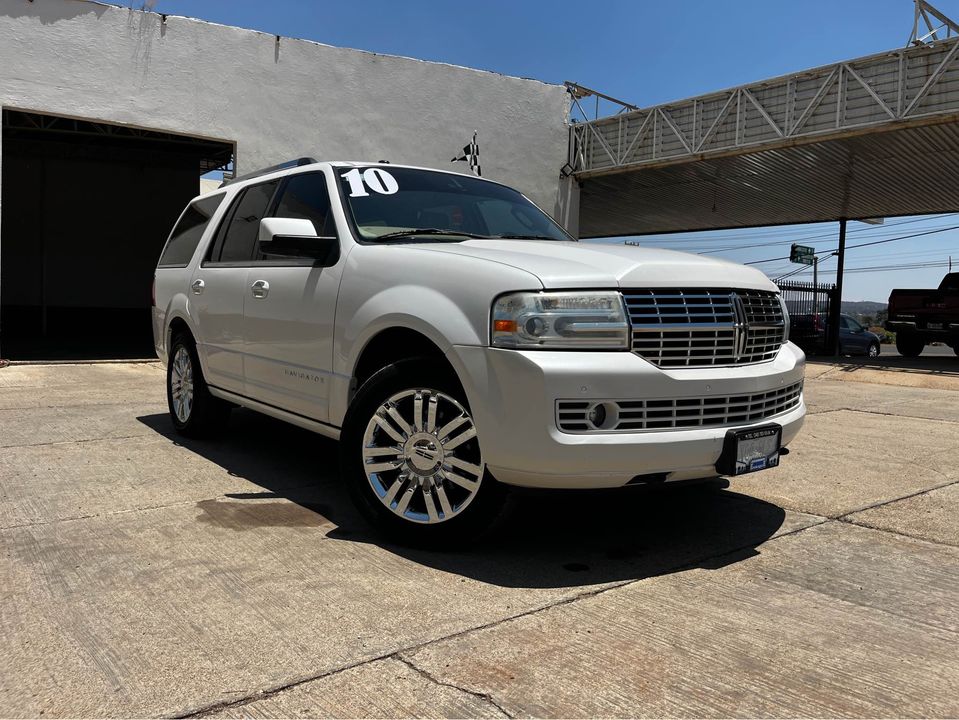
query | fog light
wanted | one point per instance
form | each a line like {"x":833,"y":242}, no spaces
{"x":597,"y":416}
{"x":603,"y":415}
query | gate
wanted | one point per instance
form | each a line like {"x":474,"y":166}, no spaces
{"x":810,"y":307}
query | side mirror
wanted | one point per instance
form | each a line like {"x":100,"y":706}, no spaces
{"x":297,"y":238}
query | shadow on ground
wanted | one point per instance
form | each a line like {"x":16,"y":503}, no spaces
{"x":545,"y":539}
{"x":945,"y":364}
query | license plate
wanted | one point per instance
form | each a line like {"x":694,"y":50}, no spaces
{"x":746,"y":451}
{"x":934,"y":326}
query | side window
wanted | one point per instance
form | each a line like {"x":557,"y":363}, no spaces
{"x":306,"y":196}
{"x":188,"y":231}
{"x":239,"y":231}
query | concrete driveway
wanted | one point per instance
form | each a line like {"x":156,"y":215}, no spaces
{"x":141,"y":575}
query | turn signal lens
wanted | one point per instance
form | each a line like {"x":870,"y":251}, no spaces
{"x":560,"y":320}
{"x":782,"y":304}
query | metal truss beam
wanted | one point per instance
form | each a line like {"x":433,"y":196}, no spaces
{"x":901,"y":88}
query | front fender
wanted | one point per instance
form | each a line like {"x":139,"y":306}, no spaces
{"x":412,"y":307}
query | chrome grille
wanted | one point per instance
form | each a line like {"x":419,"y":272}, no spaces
{"x":698,"y":327}
{"x":572,"y":416}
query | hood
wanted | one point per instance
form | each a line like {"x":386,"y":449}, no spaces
{"x":599,"y":265}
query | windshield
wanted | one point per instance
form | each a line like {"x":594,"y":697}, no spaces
{"x":388,"y":203}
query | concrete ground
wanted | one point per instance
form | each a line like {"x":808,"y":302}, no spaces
{"x":143,"y":575}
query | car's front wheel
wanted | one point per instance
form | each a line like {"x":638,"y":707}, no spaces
{"x":873,"y":351}
{"x":412,"y":456}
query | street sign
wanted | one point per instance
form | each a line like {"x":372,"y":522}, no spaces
{"x":802,"y":254}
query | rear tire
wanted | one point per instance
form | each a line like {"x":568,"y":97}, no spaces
{"x":909,"y":345}
{"x":430,"y":487}
{"x":194,"y":411}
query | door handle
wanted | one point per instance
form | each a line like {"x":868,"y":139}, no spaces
{"x":197,"y":287}
{"x":261,"y":288}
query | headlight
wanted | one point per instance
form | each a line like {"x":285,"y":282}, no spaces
{"x":560,"y":320}
{"x":782,"y":304}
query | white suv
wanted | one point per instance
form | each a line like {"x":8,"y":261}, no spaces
{"x":457,"y":340}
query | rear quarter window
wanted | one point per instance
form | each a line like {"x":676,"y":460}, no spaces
{"x":188,"y":231}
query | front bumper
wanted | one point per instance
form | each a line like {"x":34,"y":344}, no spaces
{"x":513,"y":396}
{"x":945,"y":328}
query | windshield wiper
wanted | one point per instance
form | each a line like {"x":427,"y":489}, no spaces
{"x":427,"y":231}
{"x":522,"y":237}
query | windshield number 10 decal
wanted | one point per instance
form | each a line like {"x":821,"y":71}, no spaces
{"x":376,"y":179}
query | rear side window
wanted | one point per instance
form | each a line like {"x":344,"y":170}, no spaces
{"x":187,"y":233}
{"x":239,"y":232}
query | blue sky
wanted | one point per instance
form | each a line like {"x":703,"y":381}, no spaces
{"x":644,"y":52}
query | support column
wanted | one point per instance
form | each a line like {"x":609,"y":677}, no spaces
{"x":836,"y":309}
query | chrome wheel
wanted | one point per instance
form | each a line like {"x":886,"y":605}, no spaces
{"x":181,"y":384}
{"x":873,"y":351}
{"x":421,"y":456}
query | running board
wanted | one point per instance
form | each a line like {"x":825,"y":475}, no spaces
{"x":299,"y":420}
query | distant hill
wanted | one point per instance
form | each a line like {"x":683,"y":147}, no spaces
{"x":856,"y":308}
{"x":862,"y":307}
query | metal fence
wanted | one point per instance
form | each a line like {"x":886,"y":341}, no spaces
{"x":810,"y":307}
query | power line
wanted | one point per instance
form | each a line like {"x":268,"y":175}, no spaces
{"x":791,"y":233}
{"x":731,"y":248}
{"x":891,"y":268}
{"x":908,"y":254}
{"x":868,"y":244}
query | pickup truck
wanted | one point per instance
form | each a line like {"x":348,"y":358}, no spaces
{"x":919,"y":317}
{"x":457,"y":341}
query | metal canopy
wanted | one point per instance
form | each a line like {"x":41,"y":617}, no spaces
{"x":876,"y":136}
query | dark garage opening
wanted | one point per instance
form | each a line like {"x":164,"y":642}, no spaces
{"x":85,"y":210}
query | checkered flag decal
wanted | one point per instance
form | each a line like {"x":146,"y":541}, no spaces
{"x":471,"y":155}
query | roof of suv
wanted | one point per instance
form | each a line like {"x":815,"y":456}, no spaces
{"x":256,"y":176}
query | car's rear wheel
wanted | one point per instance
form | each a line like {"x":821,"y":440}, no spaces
{"x":412,"y":457}
{"x":909,"y":344}
{"x":873,"y":351}
{"x":193,"y":410}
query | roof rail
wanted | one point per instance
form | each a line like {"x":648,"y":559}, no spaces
{"x":273,"y":168}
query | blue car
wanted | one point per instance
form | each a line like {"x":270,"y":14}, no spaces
{"x":854,"y":339}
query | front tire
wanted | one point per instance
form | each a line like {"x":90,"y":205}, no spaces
{"x":412,"y":459}
{"x":873,"y":350}
{"x":909,"y":345}
{"x":194,"y":411}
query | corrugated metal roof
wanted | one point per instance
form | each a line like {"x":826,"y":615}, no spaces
{"x":903,"y":172}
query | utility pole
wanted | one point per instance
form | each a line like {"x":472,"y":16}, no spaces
{"x":815,"y":291}
{"x":835,"y":311}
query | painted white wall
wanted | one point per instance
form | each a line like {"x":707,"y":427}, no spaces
{"x":278,"y":101}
